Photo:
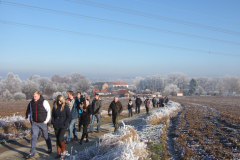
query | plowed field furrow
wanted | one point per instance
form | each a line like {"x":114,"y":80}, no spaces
{"x":208,"y":128}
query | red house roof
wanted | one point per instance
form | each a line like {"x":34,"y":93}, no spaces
{"x":95,"y":91}
{"x":179,"y":92}
{"x":120,"y":83}
{"x":104,"y":90}
{"x":122,"y":91}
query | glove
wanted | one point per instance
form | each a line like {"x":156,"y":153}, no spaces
{"x":109,"y":114}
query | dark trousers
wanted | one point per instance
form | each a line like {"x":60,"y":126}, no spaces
{"x":130,"y":112}
{"x":59,"y":133}
{"x":85,"y":132}
{"x":137,"y":108}
{"x":147,"y":109}
{"x":115,"y":122}
{"x":154,"y":104}
{"x":35,"y":131}
{"x":79,"y":123}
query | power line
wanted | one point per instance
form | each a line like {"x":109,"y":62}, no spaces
{"x":114,"y":38}
{"x":144,"y":14}
{"x":187,"y":11}
{"x":117,"y":22}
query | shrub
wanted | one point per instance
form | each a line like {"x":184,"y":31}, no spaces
{"x":19,"y":96}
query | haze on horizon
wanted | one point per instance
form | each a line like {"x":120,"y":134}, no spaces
{"x":29,"y":51}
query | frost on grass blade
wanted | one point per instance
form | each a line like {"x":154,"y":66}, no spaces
{"x":123,"y":144}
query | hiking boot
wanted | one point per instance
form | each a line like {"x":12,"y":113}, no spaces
{"x":80,"y":142}
{"x":49,"y":151}
{"x":29,"y":156}
{"x":58,"y":151}
{"x":75,"y":140}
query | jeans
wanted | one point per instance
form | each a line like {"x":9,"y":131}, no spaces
{"x":35,"y":131}
{"x":130,"y":113}
{"x":72,"y":130}
{"x":98,"y":122}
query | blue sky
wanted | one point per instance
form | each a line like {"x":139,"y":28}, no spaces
{"x":29,"y":51}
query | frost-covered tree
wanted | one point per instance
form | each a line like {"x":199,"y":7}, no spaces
{"x":136,"y":80}
{"x":19,"y":96}
{"x":221,"y":87}
{"x":29,"y":88}
{"x":199,"y":90}
{"x":61,"y":87}
{"x":12,"y":83}
{"x":232,"y":84}
{"x":50,"y":88}
{"x":43,"y":82}
{"x":2,"y":87}
{"x":6,"y":96}
{"x":171,"y":89}
{"x":54,"y":96}
{"x":82,"y":85}
{"x":35,"y":78}
{"x":76,"y":77}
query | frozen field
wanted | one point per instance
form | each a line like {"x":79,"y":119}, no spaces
{"x":206,"y":128}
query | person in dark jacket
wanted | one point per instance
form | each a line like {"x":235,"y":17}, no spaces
{"x":130,"y":107}
{"x":40,"y":114}
{"x":61,"y":117}
{"x":96,"y":112}
{"x":73,"y":105}
{"x":85,"y":119}
{"x":161,"y":102}
{"x":79,"y":100}
{"x":147,"y":104}
{"x":154,"y":101}
{"x":138,"y":104}
{"x":166,"y":100}
{"x":116,"y":108}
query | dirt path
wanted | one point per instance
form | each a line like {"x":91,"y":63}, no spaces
{"x":18,"y":150}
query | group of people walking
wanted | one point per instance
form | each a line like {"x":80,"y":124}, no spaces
{"x":161,"y":103}
{"x":64,"y":114}
{"x":63,"y":117}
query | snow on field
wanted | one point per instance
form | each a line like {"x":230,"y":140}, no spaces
{"x":129,"y":142}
